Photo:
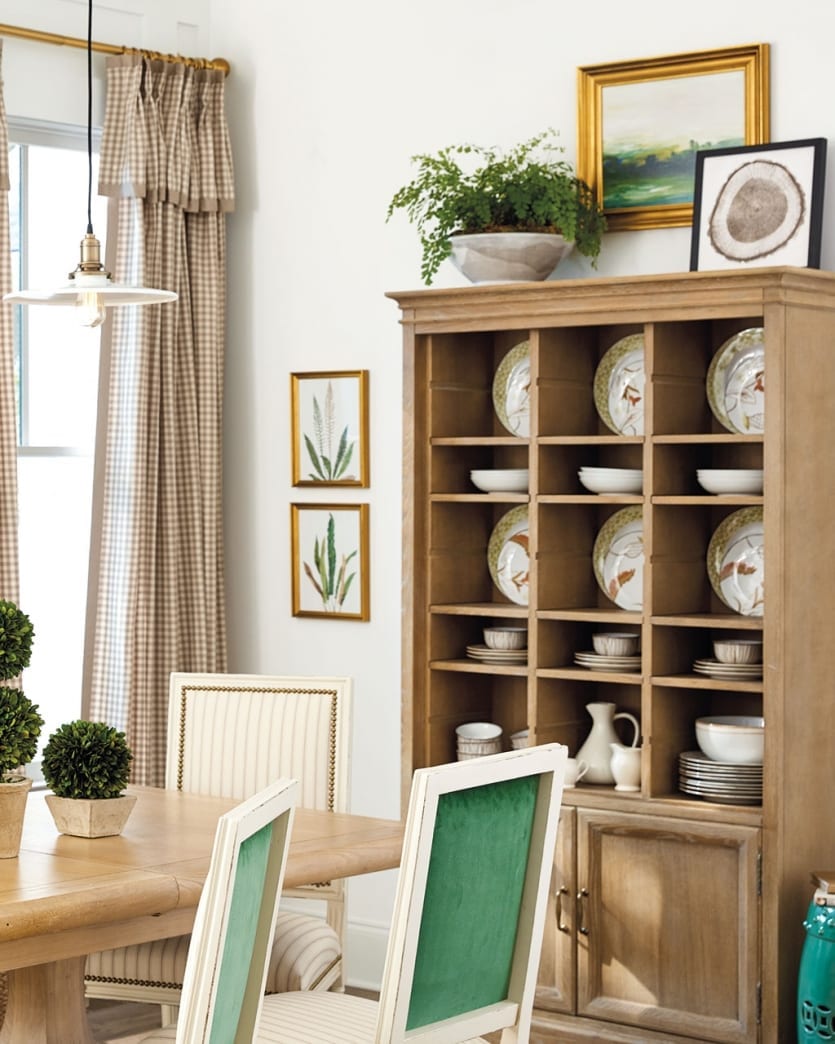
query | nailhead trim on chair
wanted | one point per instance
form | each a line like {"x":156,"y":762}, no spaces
{"x":134,"y":982}
{"x":239,"y":688}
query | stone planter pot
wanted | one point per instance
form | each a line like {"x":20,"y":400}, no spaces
{"x":90,"y":817}
{"x":12,"y":809}
{"x":508,"y":257}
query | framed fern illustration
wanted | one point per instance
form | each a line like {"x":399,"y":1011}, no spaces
{"x":330,"y":560}
{"x":330,"y":428}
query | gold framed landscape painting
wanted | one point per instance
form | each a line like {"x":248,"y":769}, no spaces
{"x":330,"y":567}
{"x":641,"y":123}
{"x":330,"y":428}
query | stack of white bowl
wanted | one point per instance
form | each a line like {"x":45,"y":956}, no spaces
{"x":477,"y":738}
{"x":519,"y":740}
{"x":727,"y":768}
{"x":500,"y":480}
{"x":730,"y":481}
{"x":612,"y":480}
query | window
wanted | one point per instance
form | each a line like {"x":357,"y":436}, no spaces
{"x":56,"y":382}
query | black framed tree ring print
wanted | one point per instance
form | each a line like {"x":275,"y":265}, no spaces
{"x":759,"y":205}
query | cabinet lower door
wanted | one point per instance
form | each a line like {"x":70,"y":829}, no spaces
{"x":557,"y":981}
{"x":668,"y":924}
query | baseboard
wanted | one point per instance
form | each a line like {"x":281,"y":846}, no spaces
{"x":365,"y":954}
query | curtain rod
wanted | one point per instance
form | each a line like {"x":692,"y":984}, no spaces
{"x":105,"y":48}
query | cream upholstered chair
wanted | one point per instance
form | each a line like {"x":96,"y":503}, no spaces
{"x":223,"y":987}
{"x":229,"y":735}
{"x":466,"y":933}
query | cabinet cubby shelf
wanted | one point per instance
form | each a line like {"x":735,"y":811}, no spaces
{"x":478,"y":440}
{"x":710,"y":500}
{"x":477,"y":668}
{"x":707,"y":439}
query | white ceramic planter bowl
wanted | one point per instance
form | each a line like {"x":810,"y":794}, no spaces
{"x":738,"y":650}
{"x":501,"y":480}
{"x":731,"y":480}
{"x":508,"y":257}
{"x":736,"y":739}
{"x":615,"y":643}
{"x":612,"y":480}
{"x":506,"y":637}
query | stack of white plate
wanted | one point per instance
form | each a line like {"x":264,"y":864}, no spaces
{"x":488,"y":655}
{"x":729,"y":671}
{"x":721,"y":781}
{"x":596,"y":662}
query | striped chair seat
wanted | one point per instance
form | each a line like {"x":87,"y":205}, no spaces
{"x":305,"y":956}
{"x":343,"y":1018}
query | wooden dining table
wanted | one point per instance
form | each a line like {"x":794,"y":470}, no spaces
{"x":65,"y":897}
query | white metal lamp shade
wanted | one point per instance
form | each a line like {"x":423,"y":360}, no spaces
{"x":91,"y":290}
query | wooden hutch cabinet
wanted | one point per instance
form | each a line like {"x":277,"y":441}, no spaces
{"x":673,"y":918}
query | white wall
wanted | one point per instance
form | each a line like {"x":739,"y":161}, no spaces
{"x":327,"y":101}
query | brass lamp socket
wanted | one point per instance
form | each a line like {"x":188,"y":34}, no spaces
{"x":90,"y":257}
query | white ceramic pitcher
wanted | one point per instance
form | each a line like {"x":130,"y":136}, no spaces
{"x":626,"y":767}
{"x":597,"y":750}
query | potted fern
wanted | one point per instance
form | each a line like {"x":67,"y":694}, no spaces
{"x":86,"y":765}
{"x":501,"y":216}
{"x":20,"y":726}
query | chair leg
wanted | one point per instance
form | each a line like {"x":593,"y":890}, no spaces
{"x":335,"y":916}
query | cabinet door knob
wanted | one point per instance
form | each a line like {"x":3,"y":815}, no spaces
{"x":561,"y":925}
{"x":582,"y":895}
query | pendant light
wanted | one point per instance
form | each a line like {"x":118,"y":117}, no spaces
{"x":90,"y":289}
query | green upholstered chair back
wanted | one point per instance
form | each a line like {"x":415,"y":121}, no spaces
{"x":472,"y":893}
{"x":233,"y":931}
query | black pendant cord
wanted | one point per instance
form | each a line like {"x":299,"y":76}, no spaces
{"x":90,"y":117}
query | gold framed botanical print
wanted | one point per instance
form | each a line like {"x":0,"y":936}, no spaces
{"x":329,"y":411}
{"x":641,"y":123}
{"x":330,"y":566}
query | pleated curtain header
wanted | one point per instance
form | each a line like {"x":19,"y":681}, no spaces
{"x":165,"y":135}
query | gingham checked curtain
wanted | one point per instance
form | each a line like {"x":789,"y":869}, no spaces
{"x":9,"y":575}
{"x":156,"y":601}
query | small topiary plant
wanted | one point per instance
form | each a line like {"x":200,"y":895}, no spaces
{"x":86,"y":759}
{"x":20,"y":727}
{"x":16,"y":635}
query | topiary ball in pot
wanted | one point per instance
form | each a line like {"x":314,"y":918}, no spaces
{"x":20,"y":727}
{"x":16,"y":636}
{"x":86,"y":765}
{"x":87,"y":759}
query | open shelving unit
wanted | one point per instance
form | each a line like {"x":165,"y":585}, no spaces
{"x":729,"y":883}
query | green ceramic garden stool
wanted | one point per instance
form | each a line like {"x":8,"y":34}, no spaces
{"x":816,"y":978}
